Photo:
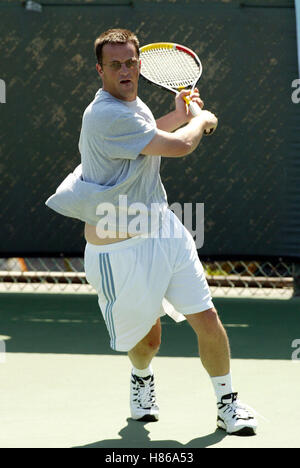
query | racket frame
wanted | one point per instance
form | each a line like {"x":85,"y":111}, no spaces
{"x":194,"y":108}
{"x":174,"y":46}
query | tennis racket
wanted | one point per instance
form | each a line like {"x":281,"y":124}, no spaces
{"x":173,"y":67}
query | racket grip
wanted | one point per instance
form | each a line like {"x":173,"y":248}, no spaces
{"x":195,"y":110}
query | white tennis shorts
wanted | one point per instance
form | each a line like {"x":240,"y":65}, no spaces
{"x":141,"y":279}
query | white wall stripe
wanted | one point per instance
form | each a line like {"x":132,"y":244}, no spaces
{"x":297,"y":7}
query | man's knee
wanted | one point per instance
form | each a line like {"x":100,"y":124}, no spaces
{"x":147,"y":347}
{"x":210,"y":317}
{"x":150,"y":344}
{"x":206,"y":322}
{"x":153,"y":344}
{"x":153,"y":340}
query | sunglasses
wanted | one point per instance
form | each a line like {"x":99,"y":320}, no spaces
{"x":116,"y":65}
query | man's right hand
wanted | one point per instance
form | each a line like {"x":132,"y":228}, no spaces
{"x":208,"y":120}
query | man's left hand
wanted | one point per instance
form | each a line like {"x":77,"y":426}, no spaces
{"x":182,"y":107}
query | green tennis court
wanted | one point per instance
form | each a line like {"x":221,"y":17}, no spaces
{"x":238,"y":194}
{"x":61,"y":386}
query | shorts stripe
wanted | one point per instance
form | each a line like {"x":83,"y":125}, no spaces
{"x":112,"y":295}
{"x":108,"y":289}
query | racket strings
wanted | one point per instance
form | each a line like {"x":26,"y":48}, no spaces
{"x":170,"y":67}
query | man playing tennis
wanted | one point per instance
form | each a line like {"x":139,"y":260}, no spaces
{"x":121,"y":146}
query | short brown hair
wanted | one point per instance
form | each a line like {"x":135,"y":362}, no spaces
{"x":115,"y":36}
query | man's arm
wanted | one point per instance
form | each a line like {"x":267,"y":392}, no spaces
{"x":170,"y":122}
{"x":180,"y":116}
{"x":183,"y":141}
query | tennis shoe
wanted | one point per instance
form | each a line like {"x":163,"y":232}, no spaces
{"x":142,"y":398}
{"x":235,"y":417}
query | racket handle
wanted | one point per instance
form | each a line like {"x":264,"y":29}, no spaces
{"x":195,"y":110}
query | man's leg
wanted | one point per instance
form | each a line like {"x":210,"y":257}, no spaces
{"x":212,"y":341}
{"x":143,"y":353}
{"x":214,"y":350}
{"x":142,"y":392}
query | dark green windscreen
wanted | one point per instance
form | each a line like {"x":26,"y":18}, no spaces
{"x":247,"y":174}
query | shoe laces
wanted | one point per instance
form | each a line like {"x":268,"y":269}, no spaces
{"x":144,"y":391}
{"x":231,"y":406}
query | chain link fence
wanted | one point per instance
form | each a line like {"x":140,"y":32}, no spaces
{"x":273,"y":279}
{"x":247,"y":175}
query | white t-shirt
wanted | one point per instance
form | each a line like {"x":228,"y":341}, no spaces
{"x":112,"y":170}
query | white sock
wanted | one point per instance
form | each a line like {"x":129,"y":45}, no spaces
{"x":222,"y":385}
{"x":142,"y":372}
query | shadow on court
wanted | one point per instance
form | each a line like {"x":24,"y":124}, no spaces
{"x":73,"y":324}
{"x":136,"y":435}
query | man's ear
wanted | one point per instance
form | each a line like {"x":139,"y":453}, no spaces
{"x":99,"y":69}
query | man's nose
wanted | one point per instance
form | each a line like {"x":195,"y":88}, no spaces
{"x":124,"y":68}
